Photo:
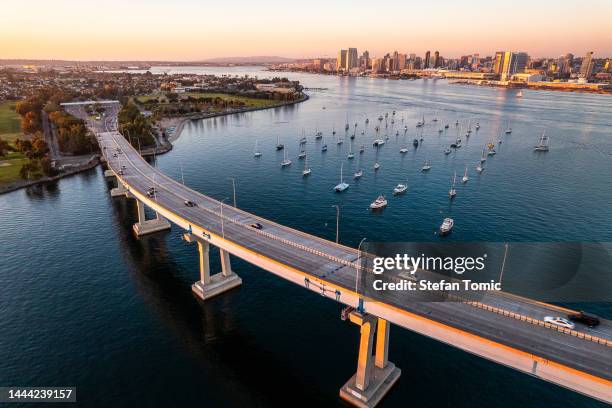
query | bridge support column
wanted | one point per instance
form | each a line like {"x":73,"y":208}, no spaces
{"x":118,"y":191}
{"x":144,"y":226}
{"x":109,"y":173}
{"x":212,"y":285}
{"x":375,"y":374}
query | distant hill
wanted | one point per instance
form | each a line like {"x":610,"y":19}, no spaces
{"x":249,"y":60}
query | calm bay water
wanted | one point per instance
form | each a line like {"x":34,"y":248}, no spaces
{"x":82,"y":302}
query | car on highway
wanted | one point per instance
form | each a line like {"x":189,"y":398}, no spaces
{"x":256,"y":225}
{"x":190,"y":203}
{"x":151,"y":191}
{"x":583,"y":318}
{"x":559,"y":321}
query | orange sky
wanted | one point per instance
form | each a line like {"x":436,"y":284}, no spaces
{"x":194,"y":30}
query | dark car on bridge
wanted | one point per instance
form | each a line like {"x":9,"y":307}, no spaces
{"x":583,"y":318}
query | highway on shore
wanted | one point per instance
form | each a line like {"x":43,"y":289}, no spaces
{"x":501,"y":327}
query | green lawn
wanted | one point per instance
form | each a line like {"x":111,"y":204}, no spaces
{"x":250,"y":102}
{"x":10,"y":122}
{"x":10,"y":166}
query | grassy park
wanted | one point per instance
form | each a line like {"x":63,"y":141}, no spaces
{"x":10,"y":129}
{"x":249,"y":102}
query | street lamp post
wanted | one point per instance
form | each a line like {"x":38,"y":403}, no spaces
{"x":337,"y":223}
{"x":357,"y":268}
{"x":222,"y":228}
{"x":234,"y":189}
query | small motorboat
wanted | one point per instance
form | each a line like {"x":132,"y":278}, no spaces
{"x":324,"y":148}
{"x":403,"y":150}
{"x":426,"y":166}
{"x":447,"y":226}
{"x":447,"y":151}
{"x":415,"y":142}
{"x":376,"y":166}
{"x":379,"y":203}
{"x":400,"y":189}
{"x":378,"y":142}
{"x":491,"y":152}
{"x":358,"y":174}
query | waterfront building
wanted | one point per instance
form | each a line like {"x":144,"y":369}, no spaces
{"x":514,"y":62}
{"x":436,"y":60}
{"x":498,"y":65}
{"x":341,"y":62}
{"x":377,"y":65}
{"x":426,"y":61}
{"x":352,"y":59}
{"x":586,"y":69}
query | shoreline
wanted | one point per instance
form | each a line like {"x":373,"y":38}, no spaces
{"x":163,"y":148}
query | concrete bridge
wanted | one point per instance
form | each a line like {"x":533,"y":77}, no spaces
{"x":503,"y":328}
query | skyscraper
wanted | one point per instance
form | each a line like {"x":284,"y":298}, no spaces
{"x":352,"y":59}
{"x":427,"y":58}
{"x":436,"y":61}
{"x":586,"y":69}
{"x":513,"y":62}
{"x":341,"y":62}
{"x":499,"y":62}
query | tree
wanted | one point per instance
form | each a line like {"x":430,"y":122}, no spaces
{"x":4,"y":147}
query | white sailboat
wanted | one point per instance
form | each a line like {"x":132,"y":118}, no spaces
{"x":426,"y":166}
{"x":480,"y":167}
{"x":342,"y":186}
{"x":256,"y":152}
{"x":542,"y":145}
{"x":279,"y":145}
{"x":453,"y":191}
{"x":508,"y":129}
{"x":358,"y":174}
{"x":286,"y":162}
{"x":350,"y":155}
{"x":519,"y":94}
{"x":306,"y":171}
{"x":465,"y":176}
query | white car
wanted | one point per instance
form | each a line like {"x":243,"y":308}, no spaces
{"x":559,"y":321}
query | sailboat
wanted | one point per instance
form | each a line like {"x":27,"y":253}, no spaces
{"x":302,"y":154}
{"x":508,"y":129}
{"x":256,"y":152}
{"x":542,"y":145}
{"x":342,"y":186}
{"x":376,"y":166}
{"x":279,"y":145}
{"x":350,"y":152}
{"x":306,"y":171}
{"x":453,"y":192}
{"x":426,"y":166}
{"x":362,"y":149}
{"x":479,"y":168}
{"x":318,"y":135}
{"x":465,"y":176}
{"x":519,"y":94}
{"x":358,"y":174}
{"x":286,"y":162}
{"x":324,"y":148}
{"x":483,"y":157}
{"x":303,"y":139}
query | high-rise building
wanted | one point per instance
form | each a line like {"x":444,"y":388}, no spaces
{"x":401,"y":61}
{"x":564,"y":64}
{"x":498,"y":65}
{"x":608,"y":65}
{"x":513,"y":62}
{"x":426,"y":61}
{"x":352,"y":60}
{"x":586,"y":69}
{"x":341,"y":62}
{"x":377,"y":65}
{"x":436,"y":60}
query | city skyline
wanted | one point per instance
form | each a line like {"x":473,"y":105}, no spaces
{"x":187,"y":32}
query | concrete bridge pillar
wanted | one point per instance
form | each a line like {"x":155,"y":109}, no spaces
{"x":375,"y":374}
{"x":212,"y":285}
{"x":144,"y":226}
{"x":119,"y":191}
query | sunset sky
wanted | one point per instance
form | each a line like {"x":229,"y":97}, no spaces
{"x":195,"y":30}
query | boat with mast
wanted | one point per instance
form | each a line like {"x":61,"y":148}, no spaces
{"x":542,"y":145}
{"x":286,"y":162}
{"x":465,"y":176}
{"x":426,"y":166}
{"x":350,"y":155}
{"x":358,"y":174}
{"x":279,"y":145}
{"x":306,"y":172}
{"x":508,"y":128}
{"x":342,"y":185}
{"x":452,"y":192}
{"x":256,"y":152}
{"x":480,"y":167}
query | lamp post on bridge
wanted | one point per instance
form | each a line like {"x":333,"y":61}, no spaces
{"x":233,"y":189}
{"x":337,"y":222}
{"x":357,"y":268}
{"x":222,"y":228}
